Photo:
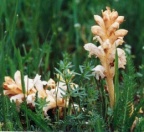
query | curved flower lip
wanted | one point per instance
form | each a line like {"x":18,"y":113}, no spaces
{"x":94,"y":50}
{"x":121,"y":58}
{"x":106,"y":44}
{"x":39,"y":86}
{"x":16,"y":83}
{"x":31,"y":99}
{"x":17,"y":98}
{"x":99,"y":72}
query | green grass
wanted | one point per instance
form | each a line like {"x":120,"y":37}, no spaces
{"x":34,"y":35}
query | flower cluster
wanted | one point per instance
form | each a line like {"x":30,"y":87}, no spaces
{"x":50,"y":90}
{"x":108,"y":34}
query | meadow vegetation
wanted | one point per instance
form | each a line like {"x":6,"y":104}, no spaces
{"x":44,"y":59}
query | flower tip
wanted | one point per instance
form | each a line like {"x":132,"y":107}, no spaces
{"x":120,"y":19}
{"x":121,"y":32}
{"x":114,"y":15}
{"x":99,"y":20}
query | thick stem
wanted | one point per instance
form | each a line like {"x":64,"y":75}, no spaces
{"x":109,"y":79}
{"x":110,"y":85}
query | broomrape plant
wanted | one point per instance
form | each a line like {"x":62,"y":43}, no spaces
{"x":108,"y":34}
{"x":54,"y":96}
{"x":80,"y":106}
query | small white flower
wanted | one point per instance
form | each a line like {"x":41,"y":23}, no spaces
{"x":31,"y":99}
{"x":99,"y":72}
{"x":39,"y":86}
{"x":119,"y":41}
{"x":94,"y":50}
{"x":29,"y":84}
{"x":121,"y":57}
{"x":18,"y":99}
{"x":17,"y":78}
{"x":106,"y":44}
{"x":51,"y":83}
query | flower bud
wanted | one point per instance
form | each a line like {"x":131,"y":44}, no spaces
{"x":106,"y":44}
{"x":119,"y":41}
{"x":97,"y":38}
{"x":97,"y":30}
{"x":113,"y":27}
{"x":99,"y":20}
{"x":114,"y":15}
{"x":121,"y":32}
{"x":120,"y":19}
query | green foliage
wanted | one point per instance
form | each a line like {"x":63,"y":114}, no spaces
{"x":33,"y":37}
{"x":123,"y":109}
{"x":37,"y":119}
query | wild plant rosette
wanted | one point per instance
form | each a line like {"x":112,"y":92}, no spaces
{"x":108,"y":34}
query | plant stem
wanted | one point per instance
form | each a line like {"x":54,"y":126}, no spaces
{"x":110,"y":85}
{"x":109,"y":80}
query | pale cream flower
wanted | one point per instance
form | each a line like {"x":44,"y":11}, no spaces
{"x":29,"y":84}
{"x":51,"y":83}
{"x":118,"y":42}
{"x":55,"y":97}
{"x":39,"y":86}
{"x":31,"y":99}
{"x":107,"y":28}
{"x":121,"y":57}
{"x":106,"y":44}
{"x":99,"y":20}
{"x":13,"y":88}
{"x":18,"y":99}
{"x":109,"y":35}
{"x":99,"y":72}
{"x":94,"y":50}
{"x":16,"y":83}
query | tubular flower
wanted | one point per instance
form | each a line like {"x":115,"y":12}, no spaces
{"x":99,"y":72}
{"x":49,"y":90}
{"x":121,"y":58}
{"x":108,"y":34}
{"x":94,"y":50}
{"x":51,"y":83}
{"x":55,"y":97}
{"x":13,"y":88}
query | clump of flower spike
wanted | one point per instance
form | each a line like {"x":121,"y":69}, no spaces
{"x":50,"y":90}
{"x":108,"y":34}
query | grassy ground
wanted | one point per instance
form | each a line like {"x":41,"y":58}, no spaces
{"x":34,"y":35}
